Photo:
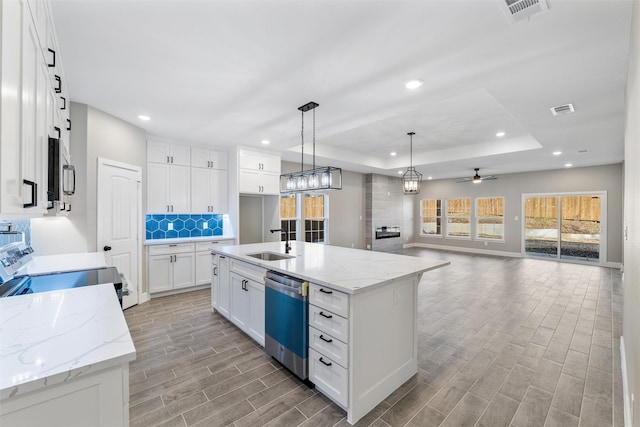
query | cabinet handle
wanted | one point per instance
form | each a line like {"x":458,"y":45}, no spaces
{"x":69,"y":208}
{"x":326,"y":316}
{"x":34,"y":194}
{"x":68,"y":124}
{"x":171,"y":208}
{"x":64,"y":103}
{"x":59,"y":80}
{"x":168,"y":208}
{"x":171,"y":159}
{"x":325,"y":363}
{"x":324,"y":339}
{"x":57,"y":129}
{"x":215,"y":271}
{"x":168,"y":159}
{"x":325,"y":292}
{"x":53,"y":56}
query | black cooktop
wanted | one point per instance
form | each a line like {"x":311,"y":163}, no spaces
{"x":56,"y":281}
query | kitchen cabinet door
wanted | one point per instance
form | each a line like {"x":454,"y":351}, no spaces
{"x":203,"y":268}
{"x":215,"y":281}
{"x":248,"y":181}
{"x":158,"y":188}
{"x":208,"y":159}
{"x":239,"y":301}
{"x":200,"y":200}
{"x":180,"y":189}
{"x":183,"y":270}
{"x":160,"y":273}
{"x":255,"y":311}
{"x":224,"y":286}
{"x":168,"y":153}
{"x":219,"y":191}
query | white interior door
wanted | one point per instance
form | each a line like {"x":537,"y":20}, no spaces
{"x":118,"y":221}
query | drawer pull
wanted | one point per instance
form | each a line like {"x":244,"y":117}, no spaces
{"x":324,"y":339}
{"x":327,"y":316}
{"x":325,"y":292}
{"x":325,"y":363}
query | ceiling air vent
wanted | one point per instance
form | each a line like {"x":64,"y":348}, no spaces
{"x":562,"y":109}
{"x":522,"y":10}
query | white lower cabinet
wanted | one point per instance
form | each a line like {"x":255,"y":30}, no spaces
{"x":329,"y":342}
{"x":238,"y":294}
{"x":100,"y":400}
{"x":171,"y":267}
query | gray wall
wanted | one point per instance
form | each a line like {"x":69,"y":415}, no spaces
{"x":631,"y":318}
{"x":383,"y":208}
{"x":346,"y":208}
{"x":607,"y":178}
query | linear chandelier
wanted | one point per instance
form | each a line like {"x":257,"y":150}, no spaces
{"x":314,"y":179}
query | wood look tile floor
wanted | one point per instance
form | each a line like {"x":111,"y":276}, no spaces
{"x":501,"y":342}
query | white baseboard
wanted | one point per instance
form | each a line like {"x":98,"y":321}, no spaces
{"x":617,"y":265}
{"x":628,"y":421}
{"x":144,"y":297}
{"x":467,"y":250}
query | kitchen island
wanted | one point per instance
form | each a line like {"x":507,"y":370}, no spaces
{"x":362,"y":313}
{"x":64,"y":358}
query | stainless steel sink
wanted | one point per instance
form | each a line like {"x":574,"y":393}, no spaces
{"x":270,"y":256}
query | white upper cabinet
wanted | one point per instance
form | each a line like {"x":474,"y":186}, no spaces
{"x":258,"y":173}
{"x":168,"y":153}
{"x":209,"y":192}
{"x":209,"y":159}
{"x":168,"y":188}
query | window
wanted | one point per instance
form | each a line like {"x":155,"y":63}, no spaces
{"x":289,"y":216}
{"x":431,"y":215}
{"x":314,"y":228}
{"x":490,"y":218}
{"x":315,"y":218}
{"x":458,"y":218}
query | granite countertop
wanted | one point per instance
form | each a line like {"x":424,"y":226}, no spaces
{"x":187,"y":240}
{"x":345,"y":269}
{"x":52,"y":337}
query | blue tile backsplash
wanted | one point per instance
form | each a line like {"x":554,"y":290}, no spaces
{"x":172,"y":226}
{"x":22,"y":225}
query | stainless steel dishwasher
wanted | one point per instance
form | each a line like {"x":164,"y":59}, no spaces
{"x":286,"y":321}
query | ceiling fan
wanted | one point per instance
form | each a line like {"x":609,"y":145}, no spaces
{"x":477,"y":178}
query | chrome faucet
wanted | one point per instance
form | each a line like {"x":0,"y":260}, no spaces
{"x":287,"y":246}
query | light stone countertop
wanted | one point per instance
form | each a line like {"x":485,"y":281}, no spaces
{"x":188,"y":240}
{"x":344,"y":269}
{"x":43,"y":264}
{"x":52,"y":337}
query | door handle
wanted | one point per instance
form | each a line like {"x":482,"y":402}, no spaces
{"x":106,"y":248}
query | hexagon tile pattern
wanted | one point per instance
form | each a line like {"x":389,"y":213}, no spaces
{"x":183,"y":225}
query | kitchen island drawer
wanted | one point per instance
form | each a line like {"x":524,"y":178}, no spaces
{"x":329,"y":346}
{"x":335,"y":301}
{"x":326,"y":321}
{"x":329,"y":377}
{"x":249,"y":271}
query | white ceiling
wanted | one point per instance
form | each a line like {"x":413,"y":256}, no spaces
{"x":233,"y":72}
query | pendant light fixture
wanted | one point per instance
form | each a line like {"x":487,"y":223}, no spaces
{"x":315,"y":179}
{"x":411,"y":178}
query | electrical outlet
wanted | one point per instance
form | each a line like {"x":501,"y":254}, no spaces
{"x":205,"y":225}
{"x":170,"y":226}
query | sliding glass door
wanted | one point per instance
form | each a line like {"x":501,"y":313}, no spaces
{"x":566,"y":226}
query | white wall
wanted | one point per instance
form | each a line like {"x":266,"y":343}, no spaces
{"x":607,"y":178}
{"x":631,"y":319}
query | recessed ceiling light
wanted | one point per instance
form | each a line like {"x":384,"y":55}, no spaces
{"x":557,"y":153}
{"x":429,"y":177}
{"x":500,"y":134}
{"x":145,"y":118}
{"x":568,"y":165}
{"x":400,"y":172}
{"x":393,"y":153}
{"x":266,"y":141}
{"x":414,"y":84}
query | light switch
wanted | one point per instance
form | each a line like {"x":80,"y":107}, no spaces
{"x":205,"y":225}
{"x":170,"y":226}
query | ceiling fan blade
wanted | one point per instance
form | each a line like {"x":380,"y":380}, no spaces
{"x":486,"y":178}
{"x":465,"y":180}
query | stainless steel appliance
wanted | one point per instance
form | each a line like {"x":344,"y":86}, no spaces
{"x":61,"y":180}
{"x":287,"y":321}
{"x":14,"y":256}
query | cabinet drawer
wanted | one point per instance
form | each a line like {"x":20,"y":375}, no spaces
{"x":328,"y":298}
{"x":206,"y":246}
{"x":178,"y":248}
{"x":331,"y":323}
{"x":329,"y":377}
{"x":329,"y":346}
{"x":249,"y":271}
